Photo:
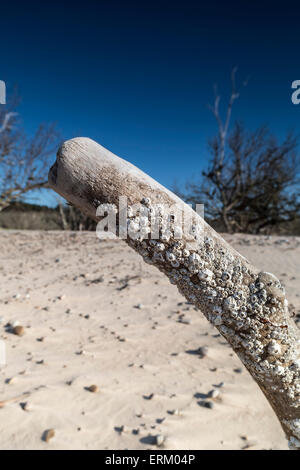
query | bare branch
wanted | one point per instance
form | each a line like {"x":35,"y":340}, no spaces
{"x":23,"y":161}
{"x":5,"y":124}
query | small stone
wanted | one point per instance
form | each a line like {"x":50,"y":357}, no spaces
{"x":148,"y":397}
{"x":19,"y":330}
{"x":48,"y":434}
{"x":25,"y":406}
{"x":121,"y":429}
{"x":124,"y":428}
{"x":81,"y":352}
{"x":159,"y":440}
{"x":10,"y":380}
{"x":93,"y":388}
{"x":208,"y":404}
{"x":214,"y":393}
{"x":203,"y":351}
{"x":139,"y":306}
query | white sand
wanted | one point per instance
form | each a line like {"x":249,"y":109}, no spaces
{"x":62,"y":272}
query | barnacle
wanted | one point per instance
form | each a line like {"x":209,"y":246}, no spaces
{"x":205,"y":275}
{"x":274,"y":348}
{"x":225,"y":276}
{"x":170,"y":256}
{"x":146,"y":201}
{"x":230,"y":303}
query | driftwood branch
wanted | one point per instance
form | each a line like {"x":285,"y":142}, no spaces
{"x":248,"y":307}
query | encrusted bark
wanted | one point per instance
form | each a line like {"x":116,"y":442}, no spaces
{"x":247,"y":306}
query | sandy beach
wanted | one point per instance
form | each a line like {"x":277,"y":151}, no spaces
{"x":93,"y":313}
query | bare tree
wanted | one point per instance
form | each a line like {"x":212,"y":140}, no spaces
{"x":251,"y":183}
{"x":23,"y":160}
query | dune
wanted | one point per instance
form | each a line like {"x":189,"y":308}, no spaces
{"x":111,"y":356}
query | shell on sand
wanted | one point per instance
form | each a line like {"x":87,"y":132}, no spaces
{"x":19,"y":330}
{"x":93,"y":388}
{"x":48,"y":434}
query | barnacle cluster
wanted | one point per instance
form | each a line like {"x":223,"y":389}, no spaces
{"x":249,"y":308}
{"x":293,"y":427}
{"x":294,"y":443}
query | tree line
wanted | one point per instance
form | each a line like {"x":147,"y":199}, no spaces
{"x":251,"y":183}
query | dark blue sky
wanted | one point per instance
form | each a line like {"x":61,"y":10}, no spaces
{"x":137,"y":76}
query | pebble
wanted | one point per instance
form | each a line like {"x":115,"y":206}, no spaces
{"x":203,"y":351}
{"x":93,"y":388}
{"x":10,"y":380}
{"x":208,"y":404}
{"x":148,"y":397}
{"x":48,"y":434}
{"x":124,"y":428}
{"x":214,"y":393}
{"x":159,"y":440}
{"x":25,"y":406}
{"x":81,"y":352}
{"x":18,"y":330}
{"x":139,"y":306}
{"x":220,"y":385}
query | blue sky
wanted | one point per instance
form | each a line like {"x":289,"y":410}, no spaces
{"x":137,"y":76}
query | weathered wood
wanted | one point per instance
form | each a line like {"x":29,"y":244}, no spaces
{"x":248,"y":307}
